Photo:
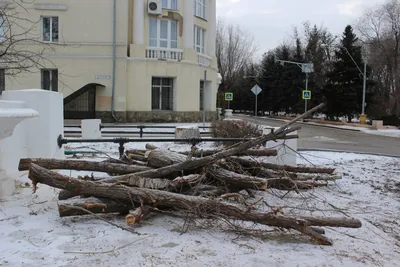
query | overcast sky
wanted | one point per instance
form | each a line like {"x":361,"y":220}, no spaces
{"x":272,"y":21}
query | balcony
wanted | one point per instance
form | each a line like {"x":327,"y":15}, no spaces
{"x":204,"y":60}
{"x":164,"y":53}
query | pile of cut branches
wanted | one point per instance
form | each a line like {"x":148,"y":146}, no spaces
{"x":218,"y":184}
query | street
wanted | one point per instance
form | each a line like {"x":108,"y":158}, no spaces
{"x":320,"y":137}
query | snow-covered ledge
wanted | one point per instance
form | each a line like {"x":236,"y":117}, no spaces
{"x":10,"y":117}
{"x":11,"y":114}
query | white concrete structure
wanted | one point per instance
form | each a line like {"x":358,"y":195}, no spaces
{"x":228,"y":113}
{"x":28,"y":138}
{"x":12,"y":144}
{"x":287,"y":149}
{"x":91,"y":129}
{"x":187,"y":132}
{"x":42,"y":132}
{"x":120,"y":59}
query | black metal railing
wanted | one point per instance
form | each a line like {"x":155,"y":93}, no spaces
{"x":141,"y":128}
{"x":122,"y":141}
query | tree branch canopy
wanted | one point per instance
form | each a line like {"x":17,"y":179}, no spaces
{"x":235,"y":48}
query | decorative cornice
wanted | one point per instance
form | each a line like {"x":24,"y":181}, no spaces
{"x":59,"y":7}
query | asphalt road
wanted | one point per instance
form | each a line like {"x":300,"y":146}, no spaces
{"x":322,"y":137}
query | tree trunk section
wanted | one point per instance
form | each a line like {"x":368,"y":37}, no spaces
{"x":236,"y":180}
{"x":196,"y":205}
{"x":249,"y":152}
{"x":95,"y":205}
{"x":249,"y":163}
{"x":158,"y":158}
{"x":81,"y":165}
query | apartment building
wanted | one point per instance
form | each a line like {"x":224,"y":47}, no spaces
{"x":125,"y":60}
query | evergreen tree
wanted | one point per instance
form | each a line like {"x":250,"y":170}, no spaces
{"x":343,"y":91}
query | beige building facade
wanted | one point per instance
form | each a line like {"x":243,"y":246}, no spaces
{"x":125,"y":60}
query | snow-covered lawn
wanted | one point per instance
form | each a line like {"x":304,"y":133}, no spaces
{"x":32,"y":233}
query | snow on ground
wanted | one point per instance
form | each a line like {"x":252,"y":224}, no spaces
{"x":32,"y":234}
{"x":384,"y":132}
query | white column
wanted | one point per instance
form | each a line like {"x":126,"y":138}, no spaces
{"x":138,"y":22}
{"x":188,"y":23}
{"x":212,"y":27}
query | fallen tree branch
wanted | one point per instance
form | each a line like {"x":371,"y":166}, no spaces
{"x":249,"y":152}
{"x":235,"y":149}
{"x":249,"y":163}
{"x":100,"y":218}
{"x":92,"y":204}
{"x":196,"y":204}
{"x":80,"y":165}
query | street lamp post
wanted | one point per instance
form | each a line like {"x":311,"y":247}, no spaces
{"x":364,"y":91}
{"x":305,"y":67}
{"x":363,"y":116}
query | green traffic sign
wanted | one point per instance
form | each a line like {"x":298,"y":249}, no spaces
{"x":229,"y":96}
{"x":306,"y":95}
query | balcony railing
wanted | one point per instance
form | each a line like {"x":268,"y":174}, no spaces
{"x":204,"y":60}
{"x":164,"y":53}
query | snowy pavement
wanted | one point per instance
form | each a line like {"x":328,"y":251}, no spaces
{"x":32,"y":233}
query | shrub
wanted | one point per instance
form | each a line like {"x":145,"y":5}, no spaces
{"x":234,"y":129}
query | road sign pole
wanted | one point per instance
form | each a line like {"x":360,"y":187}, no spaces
{"x":305,"y":100}
{"x":255,"y":111}
{"x":204,"y":91}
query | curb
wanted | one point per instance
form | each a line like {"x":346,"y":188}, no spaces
{"x":343,"y":151}
{"x":304,"y":123}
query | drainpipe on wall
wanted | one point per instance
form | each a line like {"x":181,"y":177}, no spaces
{"x":114,"y":58}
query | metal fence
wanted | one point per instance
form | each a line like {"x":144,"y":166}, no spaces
{"x":122,"y":141}
{"x":139,"y":132}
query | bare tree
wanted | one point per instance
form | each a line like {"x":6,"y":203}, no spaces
{"x":21,"y":45}
{"x":379,"y":28}
{"x":235,"y":48}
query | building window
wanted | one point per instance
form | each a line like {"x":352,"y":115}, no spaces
{"x":163,"y":33}
{"x":2,"y":29}
{"x":50,"y":29}
{"x":170,"y":4}
{"x":50,"y":79}
{"x":2,"y":80}
{"x":200,"y":8}
{"x":199,"y":36}
{"x":162,"y":94}
{"x":201,"y":95}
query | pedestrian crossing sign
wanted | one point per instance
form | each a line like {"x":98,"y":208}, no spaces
{"x":229,"y":96}
{"x":306,"y":94}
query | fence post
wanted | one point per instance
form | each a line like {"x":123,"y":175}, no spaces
{"x":141,"y":131}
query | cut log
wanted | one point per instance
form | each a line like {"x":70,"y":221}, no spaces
{"x":249,"y":163}
{"x":238,"y":148}
{"x":158,"y":158}
{"x":125,"y":160}
{"x":135,"y":157}
{"x":180,"y":184}
{"x":137,"y":215}
{"x":161,"y":157}
{"x":249,"y":152}
{"x":236,"y":180}
{"x":240,"y":181}
{"x":81,"y":165}
{"x":150,"y":146}
{"x":196,"y":205}
{"x":92,"y":204}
